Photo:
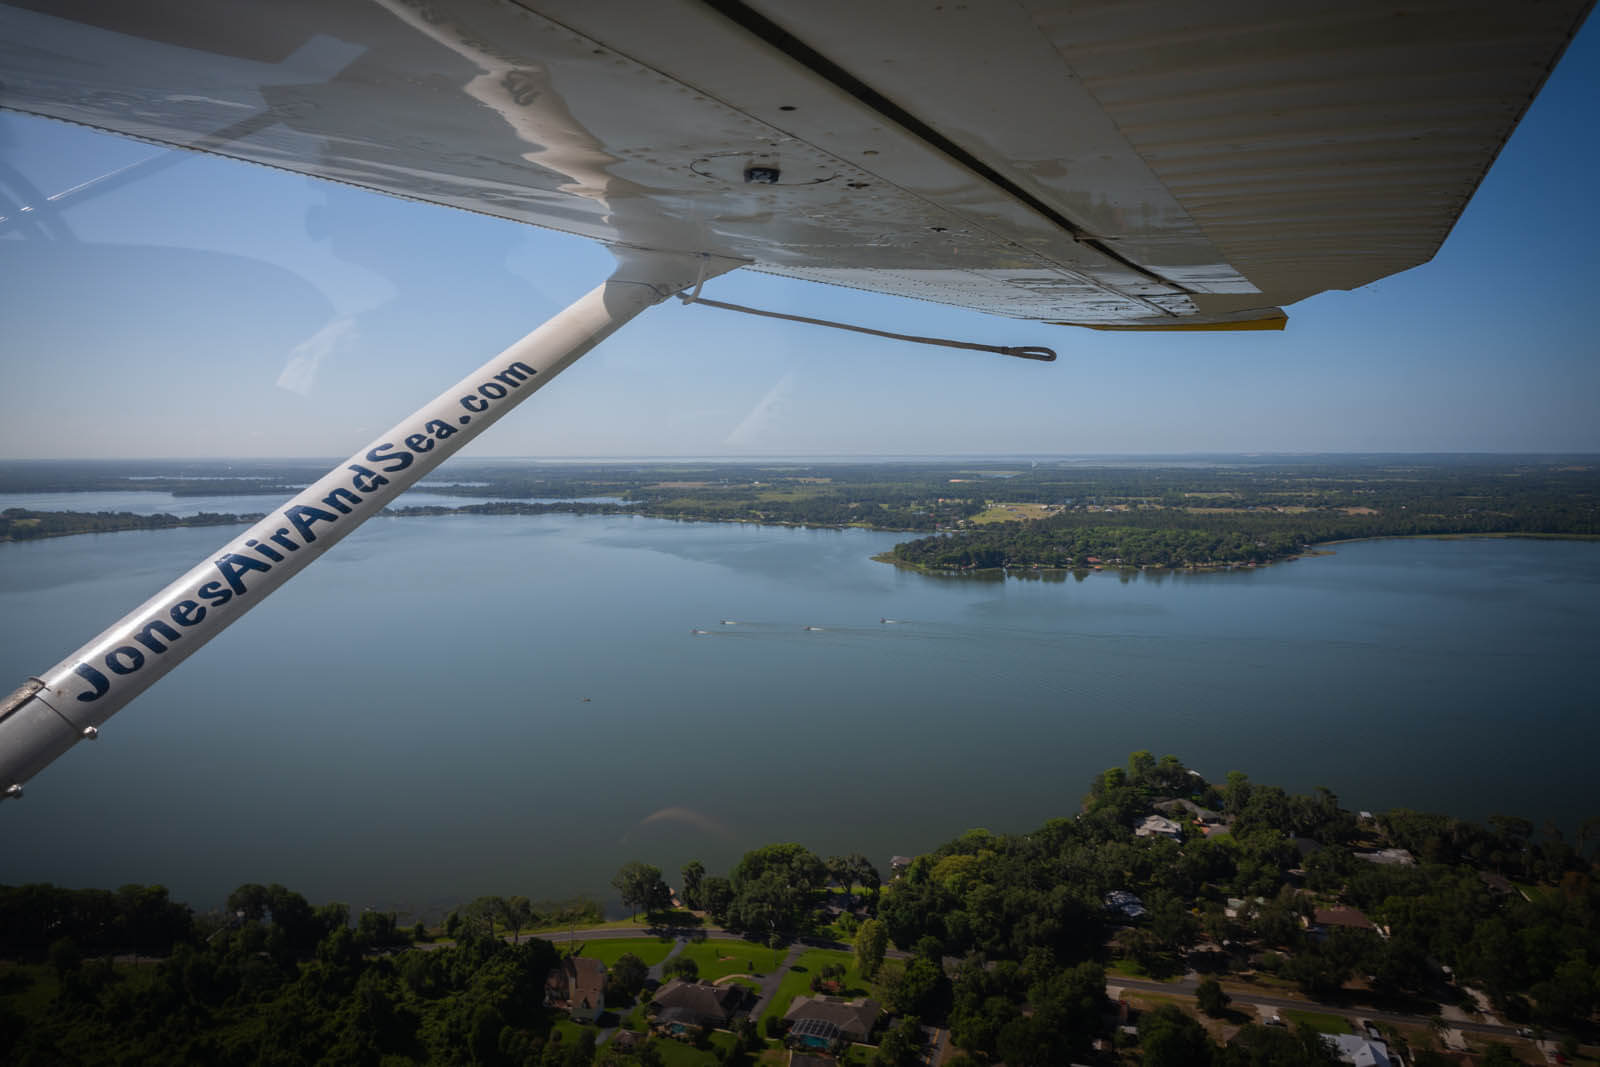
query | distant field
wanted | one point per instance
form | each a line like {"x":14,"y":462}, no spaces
{"x":1012,"y":513}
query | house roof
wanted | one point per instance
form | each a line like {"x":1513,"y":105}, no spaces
{"x":848,"y":1016}
{"x":586,"y":980}
{"x":1157,"y":824}
{"x":683,"y":1001}
{"x":821,"y":1029}
{"x":1358,"y":1050}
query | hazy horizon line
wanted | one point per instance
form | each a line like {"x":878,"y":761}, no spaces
{"x":850,"y":457}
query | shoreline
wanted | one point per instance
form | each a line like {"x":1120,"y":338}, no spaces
{"x":1318,"y":548}
{"x":469,"y":510}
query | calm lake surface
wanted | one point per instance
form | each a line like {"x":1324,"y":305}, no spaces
{"x":148,"y":502}
{"x":447,"y":707}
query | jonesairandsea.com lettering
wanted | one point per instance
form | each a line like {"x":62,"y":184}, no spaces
{"x":303,"y":523}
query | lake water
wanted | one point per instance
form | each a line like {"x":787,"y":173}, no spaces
{"x":452,"y":706}
{"x":148,"y":502}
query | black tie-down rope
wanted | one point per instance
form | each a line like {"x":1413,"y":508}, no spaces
{"x":1038,"y":352}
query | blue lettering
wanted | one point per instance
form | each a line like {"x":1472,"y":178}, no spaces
{"x":440,"y":429}
{"x":115,"y":657}
{"x":271,"y":553}
{"x":214,"y":592}
{"x":100,"y":682}
{"x":188,"y":612}
{"x":418,"y":442}
{"x":472,"y":403}
{"x":515,"y":374}
{"x":233,"y":565}
{"x":381,"y":454}
{"x":303,"y":515}
{"x":333,"y":501}
{"x":147,"y":638}
{"x":492,"y":390}
{"x":367,"y":479}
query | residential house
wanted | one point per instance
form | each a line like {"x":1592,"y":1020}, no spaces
{"x":1325,"y":919}
{"x":680,"y":1008}
{"x":1158,"y":826}
{"x":817,"y":1022}
{"x":1359,"y":1051}
{"x":577,"y":987}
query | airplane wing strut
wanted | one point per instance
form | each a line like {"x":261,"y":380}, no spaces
{"x":68,"y":703}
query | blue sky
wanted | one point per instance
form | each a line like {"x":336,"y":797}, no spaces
{"x":226,"y":310}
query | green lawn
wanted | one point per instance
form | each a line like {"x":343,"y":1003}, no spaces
{"x":569,"y":1031}
{"x":1129,"y":968}
{"x":743,"y":957}
{"x":1321,"y":1022}
{"x":807,"y":967}
{"x":650,"y":949}
{"x":678,"y":1054}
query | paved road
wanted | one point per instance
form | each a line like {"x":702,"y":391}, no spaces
{"x":613,"y":933}
{"x":769,"y":984}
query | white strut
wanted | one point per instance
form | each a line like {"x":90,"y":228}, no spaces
{"x":68,"y":703}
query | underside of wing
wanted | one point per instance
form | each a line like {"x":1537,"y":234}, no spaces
{"x":1161,"y":165}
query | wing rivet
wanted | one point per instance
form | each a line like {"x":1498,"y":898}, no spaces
{"x":90,"y":733}
{"x":13,"y":791}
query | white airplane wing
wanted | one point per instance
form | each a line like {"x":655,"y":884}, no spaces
{"x":1157,"y":164}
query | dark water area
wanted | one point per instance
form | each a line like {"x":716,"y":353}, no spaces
{"x":454,"y":706}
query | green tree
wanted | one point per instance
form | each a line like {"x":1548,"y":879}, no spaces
{"x":627,"y":975}
{"x":716,"y":894}
{"x":1270,"y":1046}
{"x":694,"y":873}
{"x":516,"y":913}
{"x":641,"y":886}
{"x":1212,"y":1000}
{"x":1170,"y":1038}
{"x":872,"y":941}
{"x":922,"y":990}
{"x":901,"y":1045}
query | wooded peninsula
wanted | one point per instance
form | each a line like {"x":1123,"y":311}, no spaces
{"x":1170,"y":922}
{"x":978,"y":515}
